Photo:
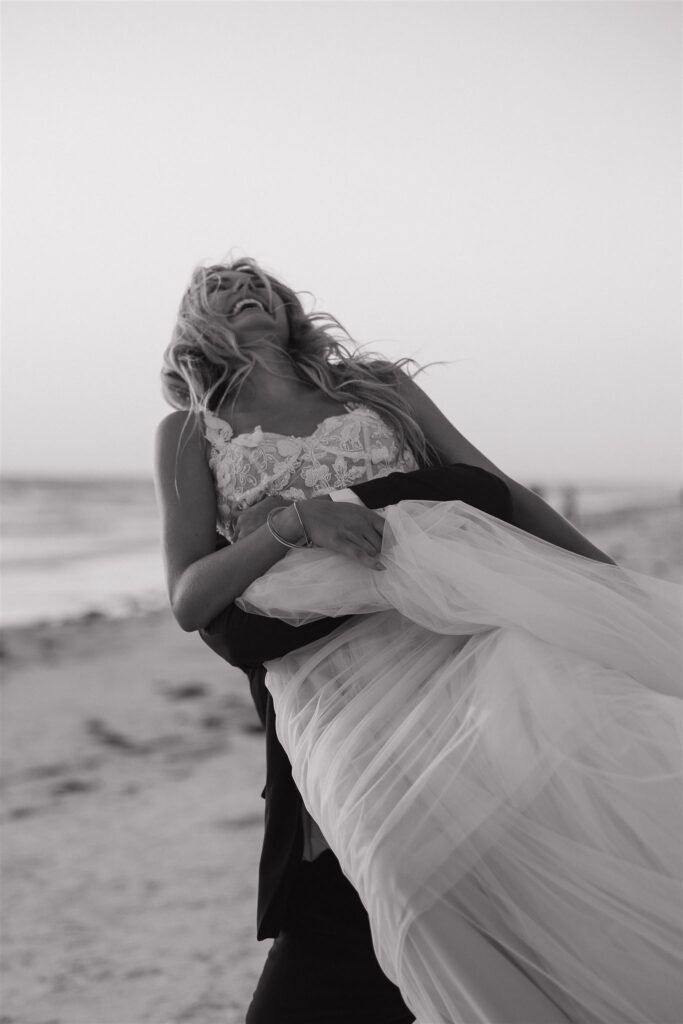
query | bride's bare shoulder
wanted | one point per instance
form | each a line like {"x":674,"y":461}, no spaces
{"x":173,"y":422}
{"x":180,"y":446}
{"x":179,"y":425}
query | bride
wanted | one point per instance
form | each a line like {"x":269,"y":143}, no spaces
{"x":489,"y":744}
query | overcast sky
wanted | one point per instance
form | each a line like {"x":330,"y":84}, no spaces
{"x":495,"y":184}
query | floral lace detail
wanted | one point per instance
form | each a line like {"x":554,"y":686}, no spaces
{"x":343,"y":450}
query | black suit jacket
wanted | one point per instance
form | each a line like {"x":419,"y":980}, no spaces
{"x":246,"y":641}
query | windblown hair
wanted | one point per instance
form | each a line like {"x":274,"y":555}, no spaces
{"x":204,"y":364}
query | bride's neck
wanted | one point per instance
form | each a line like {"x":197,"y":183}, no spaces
{"x":273,"y":385}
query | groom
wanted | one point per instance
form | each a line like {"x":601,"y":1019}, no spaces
{"x":323,"y":951}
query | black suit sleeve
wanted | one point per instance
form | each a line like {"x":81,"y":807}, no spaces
{"x":246,"y":640}
{"x":457,"y":482}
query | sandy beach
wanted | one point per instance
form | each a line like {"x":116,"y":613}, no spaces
{"x":133,"y":761}
{"x":131,"y":820}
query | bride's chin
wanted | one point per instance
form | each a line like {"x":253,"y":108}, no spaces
{"x":262,"y":344}
{"x":255,"y":333}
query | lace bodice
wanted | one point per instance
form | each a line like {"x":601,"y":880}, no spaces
{"x":343,"y":450}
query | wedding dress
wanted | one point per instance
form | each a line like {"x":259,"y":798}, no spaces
{"x":492,"y":750}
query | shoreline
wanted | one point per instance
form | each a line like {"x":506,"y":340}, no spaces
{"x":644,"y":538}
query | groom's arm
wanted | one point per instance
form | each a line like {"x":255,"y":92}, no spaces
{"x":456,"y":482}
{"x":246,"y":640}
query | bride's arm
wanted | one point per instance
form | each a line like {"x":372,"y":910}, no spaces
{"x":203,"y":581}
{"x":530,"y":512}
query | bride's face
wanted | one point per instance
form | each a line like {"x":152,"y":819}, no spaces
{"x":251,"y":312}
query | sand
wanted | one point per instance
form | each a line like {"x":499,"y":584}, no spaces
{"x":133,"y":763}
{"x":131,"y":817}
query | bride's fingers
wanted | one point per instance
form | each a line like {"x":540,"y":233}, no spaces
{"x":379,"y":531}
{"x":377,"y":522}
{"x":366,"y":550}
{"x":374,"y":539}
{"x":366,"y":540}
{"x":352,"y":547}
{"x":369,"y":561}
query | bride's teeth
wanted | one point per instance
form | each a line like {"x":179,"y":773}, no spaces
{"x":243,"y":303}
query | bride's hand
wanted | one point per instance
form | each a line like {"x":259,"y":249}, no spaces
{"x":351,"y":530}
{"x":251,"y":518}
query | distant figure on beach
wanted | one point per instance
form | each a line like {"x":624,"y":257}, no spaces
{"x":472,"y":715}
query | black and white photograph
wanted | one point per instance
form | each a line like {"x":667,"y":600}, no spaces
{"x":341,"y":496}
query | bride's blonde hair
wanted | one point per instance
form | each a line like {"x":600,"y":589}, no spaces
{"x":203,"y":363}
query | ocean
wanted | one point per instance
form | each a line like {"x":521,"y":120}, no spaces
{"x":74,"y":547}
{"x":81,"y":547}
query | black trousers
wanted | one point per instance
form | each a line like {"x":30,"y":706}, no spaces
{"x":322,"y":968}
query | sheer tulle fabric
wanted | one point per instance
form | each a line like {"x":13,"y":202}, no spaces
{"x":494,"y":756}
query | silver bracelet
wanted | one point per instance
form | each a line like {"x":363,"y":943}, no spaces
{"x":278,"y":536}
{"x":308,"y":543}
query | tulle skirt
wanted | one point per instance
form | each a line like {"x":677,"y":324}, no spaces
{"x":492,"y":750}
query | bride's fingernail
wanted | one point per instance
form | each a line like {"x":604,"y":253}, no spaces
{"x":378,"y":565}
